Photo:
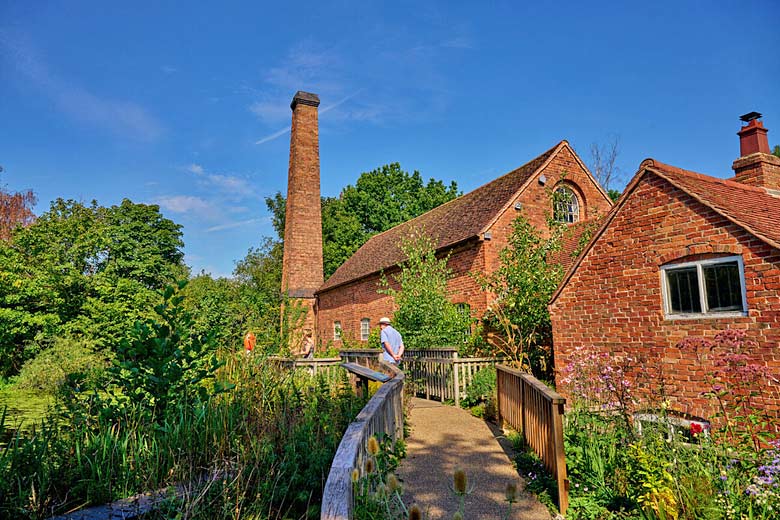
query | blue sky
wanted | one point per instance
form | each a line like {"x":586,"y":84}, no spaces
{"x":186,"y":105}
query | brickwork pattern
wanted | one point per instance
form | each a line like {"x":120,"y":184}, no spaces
{"x":613,"y":301}
{"x":302,"y":271}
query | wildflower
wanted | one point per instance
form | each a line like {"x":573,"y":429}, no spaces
{"x":355,"y":475}
{"x":511,"y":492}
{"x":370,"y":466}
{"x":460,"y":482}
{"x":415,"y":513}
{"x":373,"y":446}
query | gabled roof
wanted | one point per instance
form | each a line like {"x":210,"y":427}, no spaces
{"x":453,"y":222}
{"x":750,"y":207}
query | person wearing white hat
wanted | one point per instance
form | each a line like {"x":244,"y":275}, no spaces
{"x":392,"y":344}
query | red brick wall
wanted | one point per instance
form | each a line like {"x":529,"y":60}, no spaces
{"x":613,"y":302}
{"x":302,"y":271}
{"x":536,"y":201}
{"x":357,"y":300}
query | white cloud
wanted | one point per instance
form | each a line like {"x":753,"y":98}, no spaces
{"x":124,"y":117}
{"x":195,"y":168}
{"x":185,"y":204}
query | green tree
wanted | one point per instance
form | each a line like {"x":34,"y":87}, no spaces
{"x":379,"y":200}
{"x":523,"y":284}
{"x":424,"y":316}
{"x":776,"y":150}
{"x":86,"y":271}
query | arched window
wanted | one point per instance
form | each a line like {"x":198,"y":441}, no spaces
{"x":365,"y":329}
{"x":566,"y":206}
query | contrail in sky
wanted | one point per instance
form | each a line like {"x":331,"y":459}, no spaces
{"x":323,"y":111}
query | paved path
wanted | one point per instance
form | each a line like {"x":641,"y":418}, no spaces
{"x":444,"y":438}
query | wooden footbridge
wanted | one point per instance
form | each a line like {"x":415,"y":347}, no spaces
{"x":444,"y":438}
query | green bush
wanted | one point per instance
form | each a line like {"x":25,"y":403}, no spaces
{"x":49,"y":370}
{"x":482,"y":388}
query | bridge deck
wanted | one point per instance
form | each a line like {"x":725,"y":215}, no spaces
{"x":444,"y":438}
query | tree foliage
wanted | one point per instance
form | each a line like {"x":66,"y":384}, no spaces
{"x":15,"y":210}
{"x":85,"y":271}
{"x":523,"y":284}
{"x":424,"y":316}
{"x":379,"y":200}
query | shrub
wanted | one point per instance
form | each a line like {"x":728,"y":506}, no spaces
{"x":481,"y":388}
{"x":49,"y":370}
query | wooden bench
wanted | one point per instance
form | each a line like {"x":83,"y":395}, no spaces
{"x":362,"y":375}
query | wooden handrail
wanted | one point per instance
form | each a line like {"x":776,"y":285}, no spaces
{"x":536,"y":411}
{"x":382,"y":414}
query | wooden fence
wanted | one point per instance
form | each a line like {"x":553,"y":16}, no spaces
{"x":444,"y":378}
{"x":531,"y":408}
{"x":383,"y":414}
{"x":329,"y":367}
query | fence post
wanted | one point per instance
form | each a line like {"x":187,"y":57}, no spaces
{"x":456,"y":380}
{"x":499,"y":397}
{"x":560,"y":459}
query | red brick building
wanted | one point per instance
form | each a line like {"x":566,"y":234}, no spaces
{"x":681,"y":255}
{"x":473,"y":229}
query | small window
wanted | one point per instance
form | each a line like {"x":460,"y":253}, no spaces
{"x":566,"y":206}
{"x":336,"y":331}
{"x":707,"y":287}
{"x":464,"y":309}
{"x":365,"y":329}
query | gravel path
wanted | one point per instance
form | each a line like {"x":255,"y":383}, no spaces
{"x":444,"y":438}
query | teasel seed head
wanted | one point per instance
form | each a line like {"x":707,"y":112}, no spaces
{"x":392,"y":482}
{"x":373,"y":446}
{"x":415,"y":513}
{"x":511,"y":492}
{"x":355,"y":475}
{"x":457,"y":516}
{"x":459,"y":481}
{"x":370,"y":466}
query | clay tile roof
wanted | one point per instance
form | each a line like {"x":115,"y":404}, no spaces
{"x":750,"y":207}
{"x":451,"y":223}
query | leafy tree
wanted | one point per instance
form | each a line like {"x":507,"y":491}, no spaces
{"x":523,"y":285}
{"x":776,"y":151}
{"x":379,"y":200}
{"x":83,"y":270}
{"x":424,"y":316}
{"x":163,"y":363}
{"x":15,"y":210}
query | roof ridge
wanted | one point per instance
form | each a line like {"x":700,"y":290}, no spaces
{"x":652,"y":163}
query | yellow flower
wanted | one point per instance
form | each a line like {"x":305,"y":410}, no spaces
{"x":355,"y":475}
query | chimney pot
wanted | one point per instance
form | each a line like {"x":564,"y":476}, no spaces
{"x":756,"y":166}
{"x":752,"y":136}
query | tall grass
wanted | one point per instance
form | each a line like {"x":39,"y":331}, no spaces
{"x":262,"y":449}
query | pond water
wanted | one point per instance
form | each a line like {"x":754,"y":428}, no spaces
{"x":23,"y":409}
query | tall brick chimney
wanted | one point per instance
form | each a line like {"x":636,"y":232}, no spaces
{"x":756,"y":165}
{"x":302,"y":271}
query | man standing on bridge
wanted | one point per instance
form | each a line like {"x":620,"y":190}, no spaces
{"x":392,"y":344}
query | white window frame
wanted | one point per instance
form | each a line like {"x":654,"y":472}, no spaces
{"x":365,"y":329}
{"x":337,"y":331}
{"x":706,"y":313}
{"x":572,"y":204}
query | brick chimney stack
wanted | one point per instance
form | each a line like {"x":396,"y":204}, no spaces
{"x":756,"y":165}
{"x":302,"y":271}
